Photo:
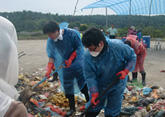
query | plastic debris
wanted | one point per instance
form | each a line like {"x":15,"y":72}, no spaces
{"x":48,"y":100}
{"x":146,"y":91}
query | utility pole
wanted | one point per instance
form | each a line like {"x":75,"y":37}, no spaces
{"x":150,"y":7}
{"x":130,"y":5}
{"x":106,"y":17}
{"x":75,"y":7}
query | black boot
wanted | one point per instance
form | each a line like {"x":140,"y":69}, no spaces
{"x":85,"y":92}
{"x":91,"y":114}
{"x":111,"y":116}
{"x":134,"y":76}
{"x":55,"y":77}
{"x":71,"y":105}
{"x":143,"y":78}
{"x":129,"y":80}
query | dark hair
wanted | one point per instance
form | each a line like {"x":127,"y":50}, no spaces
{"x":127,"y":42}
{"x":51,"y":27}
{"x":93,"y":36}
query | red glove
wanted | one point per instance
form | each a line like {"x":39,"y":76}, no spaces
{"x":93,"y":100}
{"x":49,"y":69}
{"x":82,"y":108}
{"x":123,"y":74}
{"x":71,"y":58}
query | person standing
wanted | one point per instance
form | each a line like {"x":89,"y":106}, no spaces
{"x":112,"y":32}
{"x":132,"y":31}
{"x":141,"y":52}
{"x":105,"y":60}
{"x":67,"y":43}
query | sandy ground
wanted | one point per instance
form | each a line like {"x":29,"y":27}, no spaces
{"x":36,"y":59}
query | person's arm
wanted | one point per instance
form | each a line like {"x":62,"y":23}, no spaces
{"x":90,"y":76}
{"x":78,"y":48}
{"x":137,"y":48}
{"x":71,"y":58}
{"x":10,"y":106}
{"x":77,"y":43}
{"x":50,"y":65}
{"x":8,"y":89}
{"x":135,"y":45}
{"x":130,"y":58}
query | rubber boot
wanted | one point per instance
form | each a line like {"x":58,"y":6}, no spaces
{"x":129,"y":80}
{"x":134,"y":76}
{"x":71,"y":105}
{"x":143,"y":78}
{"x":91,"y":114}
{"x":55,"y":76}
{"x":110,"y":116}
{"x":85,"y":92}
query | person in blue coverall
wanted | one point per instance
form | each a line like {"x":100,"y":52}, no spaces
{"x":68,"y":44}
{"x":104,"y":61}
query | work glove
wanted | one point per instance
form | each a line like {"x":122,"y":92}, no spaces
{"x":94,"y":97}
{"x":82,"y":108}
{"x":49,"y":69}
{"x":71,"y":58}
{"x":122,"y":74}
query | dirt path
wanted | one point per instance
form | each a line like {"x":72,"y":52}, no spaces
{"x":36,"y":59}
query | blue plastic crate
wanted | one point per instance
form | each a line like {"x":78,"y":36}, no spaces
{"x":146,"y":41}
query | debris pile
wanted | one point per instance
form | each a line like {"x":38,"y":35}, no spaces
{"x":49,"y":101}
{"x":143,"y":102}
{"x":46,"y":100}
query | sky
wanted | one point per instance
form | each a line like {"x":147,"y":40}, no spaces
{"x":51,"y":6}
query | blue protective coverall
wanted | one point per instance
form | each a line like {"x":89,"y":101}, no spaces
{"x":60,"y":51}
{"x":100,"y":71}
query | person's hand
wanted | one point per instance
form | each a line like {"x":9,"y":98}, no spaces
{"x":122,"y":74}
{"x":49,"y":69}
{"x":94,"y":97}
{"x":68,"y":63}
{"x":82,"y":108}
{"x":71,"y":58}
